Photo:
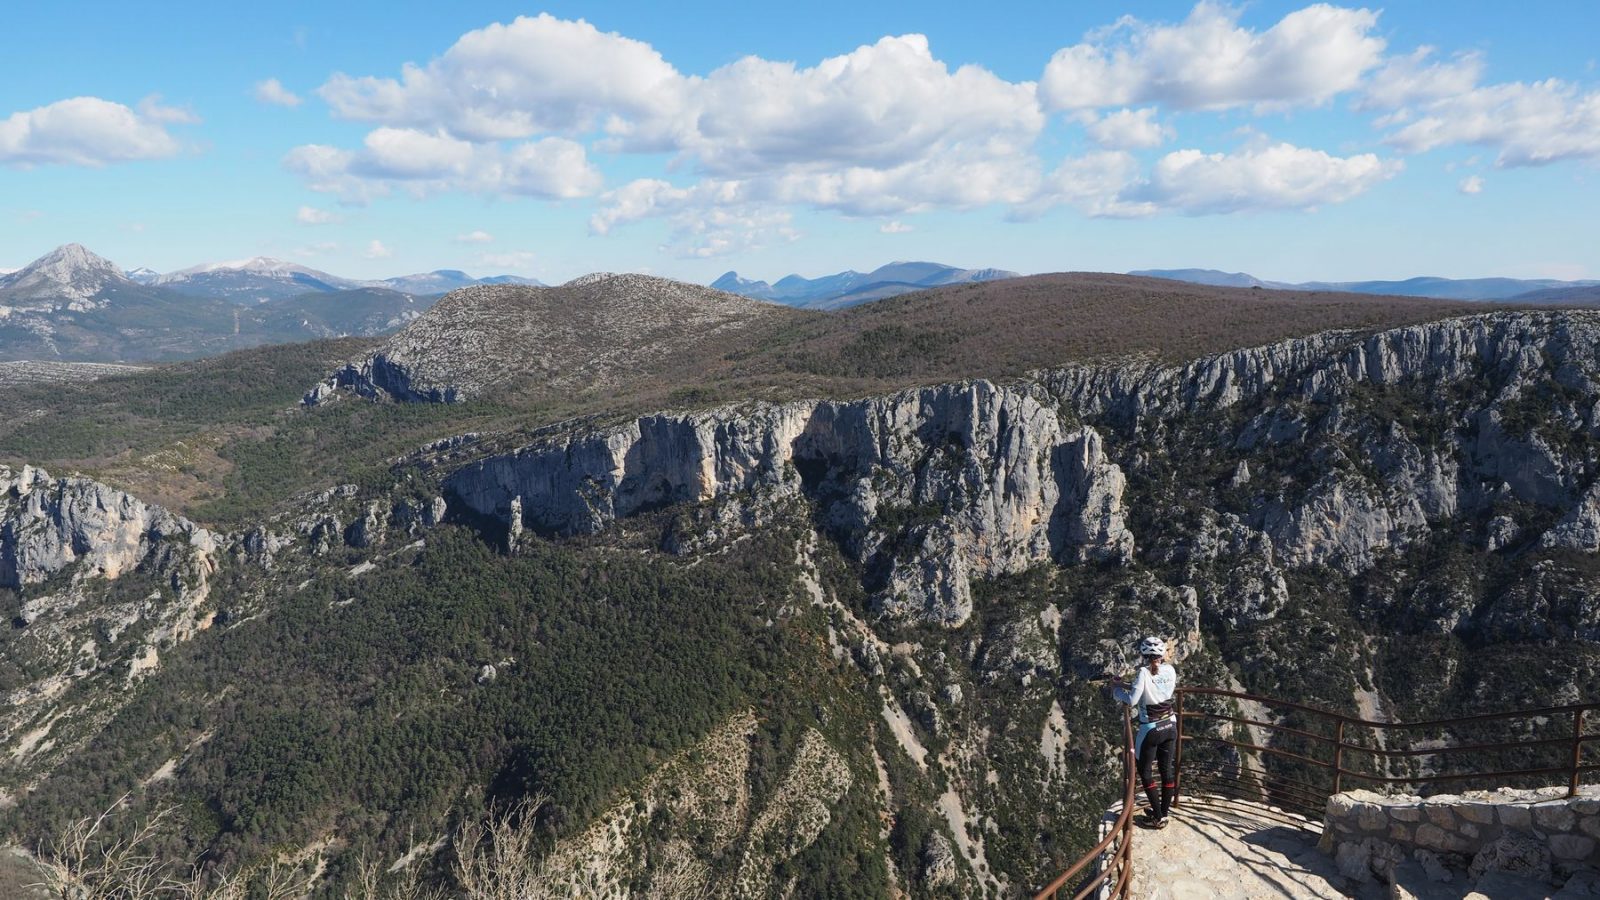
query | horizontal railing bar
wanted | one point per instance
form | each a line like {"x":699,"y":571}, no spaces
{"x":1380,"y":751}
{"x":1267,"y":788}
{"x":1505,"y":745}
{"x":1272,"y":725}
{"x":1239,"y":793}
{"x":1287,"y":816}
{"x":1261,"y":775}
{"x":1416,"y":779}
{"x":1462,"y":776}
{"x":1356,"y":720}
{"x":1259,"y":749}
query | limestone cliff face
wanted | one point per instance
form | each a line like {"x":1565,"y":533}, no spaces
{"x":63,"y":541}
{"x":934,"y":484}
{"x":49,"y":524}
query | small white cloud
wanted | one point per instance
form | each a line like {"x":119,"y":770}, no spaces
{"x":89,"y":131}
{"x":516,"y":260}
{"x":273,"y":92}
{"x":1405,"y":80}
{"x":1472,"y":184}
{"x":708,"y":219}
{"x":475,"y":237}
{"x":1191,"y":182}
{"x":1128,"y":129}
{"x":151,"y":108}
{"x":895,"y":227}
{"x":1530,"y":124}
{"x":423,"y":163}
{"x":376,"y":250}
{"x":1281,"y":176}
{"x":310,"y":215}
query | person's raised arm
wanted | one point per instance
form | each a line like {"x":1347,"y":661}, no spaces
{"x":1132,"y":694}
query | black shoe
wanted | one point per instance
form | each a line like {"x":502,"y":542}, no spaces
{"x":1149,"y":820}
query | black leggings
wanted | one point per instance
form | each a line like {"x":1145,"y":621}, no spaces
{"x":1158,"y":748}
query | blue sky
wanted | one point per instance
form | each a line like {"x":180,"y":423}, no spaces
{"x":1290,"y":140}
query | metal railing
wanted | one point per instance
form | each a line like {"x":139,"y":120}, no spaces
{"x":1292,"y":756}
{"x":1114,"y":852}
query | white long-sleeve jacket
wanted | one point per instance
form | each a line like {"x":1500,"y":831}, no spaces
{"x":1151,"y":693}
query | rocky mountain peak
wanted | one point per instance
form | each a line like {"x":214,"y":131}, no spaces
{"x":70,"y":273}
{"x":591,"y":278}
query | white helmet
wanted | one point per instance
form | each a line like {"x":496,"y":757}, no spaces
{"x":1152,"y":646}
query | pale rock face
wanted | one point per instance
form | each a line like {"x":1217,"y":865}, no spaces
{"x":1340,"y":525}
{"x":939,"y":868}
{"x":1009,"y":488}
{"x":1579,"y":529}
{"x":50,"y":524}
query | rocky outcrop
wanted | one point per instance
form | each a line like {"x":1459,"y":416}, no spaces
{"x":934,"y":484}
{"x":588,"y":332}
{"x":48,"y":525}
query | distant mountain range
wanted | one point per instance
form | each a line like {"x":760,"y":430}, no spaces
{"x":262,"y":279}
{"x":1521,"y":290}
{"x":850,"y":288}
{"x":73,"y":305}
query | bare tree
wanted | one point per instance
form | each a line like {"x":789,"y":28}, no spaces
{"x":83,"y":863}
{"x":497,"y":859}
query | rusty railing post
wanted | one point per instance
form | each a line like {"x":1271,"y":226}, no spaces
{"x":1577,"y":751}
{"x":1177,"y":762}
{"x":1338,"y":755}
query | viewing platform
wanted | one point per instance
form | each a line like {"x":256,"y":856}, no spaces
{"x":1283,"y":800}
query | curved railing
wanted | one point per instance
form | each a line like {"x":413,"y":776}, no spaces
{"x":1114,"y":852}
{"x":1292,"y":756}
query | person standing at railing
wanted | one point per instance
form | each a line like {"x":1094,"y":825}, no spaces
{"x":1151,"y":692}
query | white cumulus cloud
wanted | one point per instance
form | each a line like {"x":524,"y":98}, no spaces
{"x":895,"y":227}
{"x":888,"y":129}
{"x":887,"y":117}
{"x":377,"y":250}
{"x":272,"y":91}
{"x":1209,"y":61}
{"x":538,"y":74}
{"x":475,"y":237}
{"x":89,"y":131}
{"x":1472,"y":184}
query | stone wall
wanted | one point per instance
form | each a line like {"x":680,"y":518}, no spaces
{"x":1540,"y":834}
